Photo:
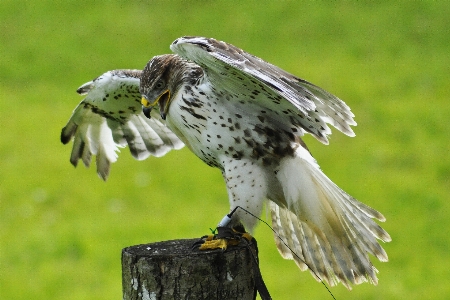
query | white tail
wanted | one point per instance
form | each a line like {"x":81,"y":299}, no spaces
{"x":330,"y":231}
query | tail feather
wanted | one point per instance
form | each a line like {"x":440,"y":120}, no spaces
{"x":330,"y":232}
{"x":279,"y":235}
{"x":353,"y":219}
{"x":288,"y":229}
{"x":282,"y":230}
{"x":314,"y":251}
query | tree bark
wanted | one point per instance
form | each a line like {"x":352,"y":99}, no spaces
{"x":172,"y":270}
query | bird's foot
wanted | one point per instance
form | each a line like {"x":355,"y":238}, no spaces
{"x":224,"y":238}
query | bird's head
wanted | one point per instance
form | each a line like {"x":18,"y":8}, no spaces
{"x":159,"y":82}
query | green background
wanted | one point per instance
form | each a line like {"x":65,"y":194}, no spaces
{"x":62,"y":229}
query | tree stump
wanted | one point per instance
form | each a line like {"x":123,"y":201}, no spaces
{"x":172,"y":270}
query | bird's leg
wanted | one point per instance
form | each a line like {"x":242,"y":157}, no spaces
{"x":226,"y":235}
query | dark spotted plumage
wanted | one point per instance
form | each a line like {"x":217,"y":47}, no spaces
{"x":245,"y":117}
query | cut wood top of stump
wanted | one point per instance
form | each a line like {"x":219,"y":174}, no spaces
{"x":174,"y":248}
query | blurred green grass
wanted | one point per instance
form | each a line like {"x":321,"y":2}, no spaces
{"x":62,"y":229}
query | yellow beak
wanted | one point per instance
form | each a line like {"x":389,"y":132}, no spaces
{"x":163,"y":100}
{"x":145,"y":102}
{"x":165,"y":95}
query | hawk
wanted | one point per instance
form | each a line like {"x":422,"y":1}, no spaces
{"x":245,"y":117}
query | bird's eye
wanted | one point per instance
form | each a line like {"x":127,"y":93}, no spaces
{"x":160,"y":84}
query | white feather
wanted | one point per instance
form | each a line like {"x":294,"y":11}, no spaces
{"x":335,"y":231}
{"x":111,"y":117}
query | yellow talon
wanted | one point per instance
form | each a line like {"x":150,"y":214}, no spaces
{"x":247,"y":236}
{"x":214,"y":244}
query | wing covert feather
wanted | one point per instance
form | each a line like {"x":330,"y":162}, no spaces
{"x":299,"y":103}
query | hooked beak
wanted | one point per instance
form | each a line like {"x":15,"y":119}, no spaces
{"x":163,"y":101}
{"x":146,"y":111}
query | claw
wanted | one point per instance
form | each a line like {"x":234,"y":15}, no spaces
{"x":225,"y":237}
{"x":214,"y":244}
{"x":201,"y":241}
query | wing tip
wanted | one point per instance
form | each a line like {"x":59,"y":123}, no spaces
{"x":103,"y":175}
{"x":103,"y":166}
{"x":67,"y":133}
{"x":321,"y":138}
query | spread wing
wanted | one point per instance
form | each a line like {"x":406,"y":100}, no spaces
{"x":111,"y":117}
{"x":293,"y":102}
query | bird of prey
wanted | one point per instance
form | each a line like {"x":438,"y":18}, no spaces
{"x":245,"y":117}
